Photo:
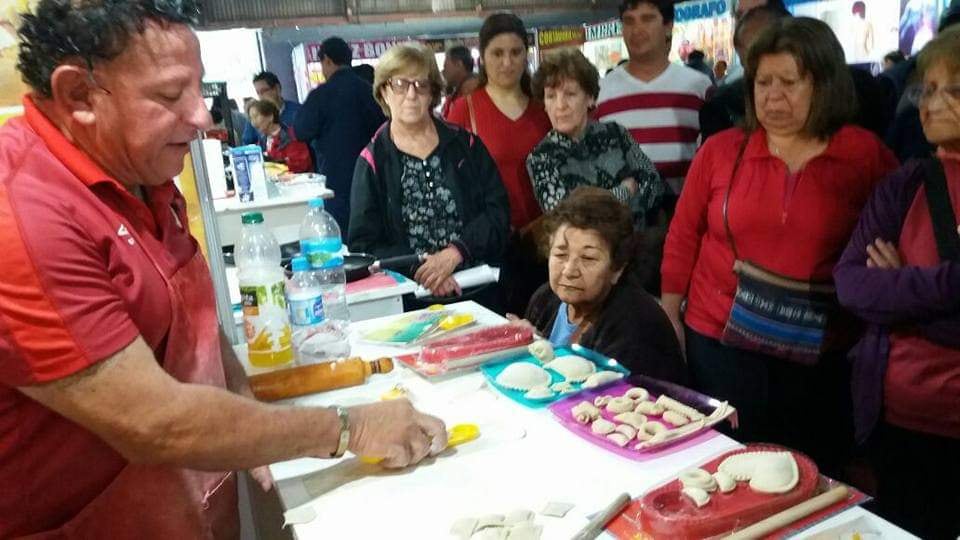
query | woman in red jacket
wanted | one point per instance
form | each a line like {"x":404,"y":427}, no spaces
{"x":281,"y":143}
{"x":797,"y":177}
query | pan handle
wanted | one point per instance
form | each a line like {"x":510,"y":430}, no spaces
{"x":403,"y":262}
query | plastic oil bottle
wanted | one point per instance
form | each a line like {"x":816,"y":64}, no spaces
{"x":265,"y":321}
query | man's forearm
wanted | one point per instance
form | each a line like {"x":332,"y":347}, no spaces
{"x":210,"y":429}
{"x":236,"y":376}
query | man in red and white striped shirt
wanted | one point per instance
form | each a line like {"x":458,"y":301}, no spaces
{"x":657,"y":101}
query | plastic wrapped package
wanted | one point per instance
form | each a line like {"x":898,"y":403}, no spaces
{"x":472,"y":349}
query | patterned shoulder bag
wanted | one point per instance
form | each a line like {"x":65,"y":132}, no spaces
{"x":773,"y":314}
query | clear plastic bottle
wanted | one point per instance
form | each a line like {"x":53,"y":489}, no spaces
{"x":322,"y":246}
{"x":265,"y":320}
{"x":305,"y":300}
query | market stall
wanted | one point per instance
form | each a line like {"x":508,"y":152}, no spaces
{"x":549,"y":39}
{"x":604,"y":45}
{"x":705,"y":25}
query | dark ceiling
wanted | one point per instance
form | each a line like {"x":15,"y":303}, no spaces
{"x":288,"y":13}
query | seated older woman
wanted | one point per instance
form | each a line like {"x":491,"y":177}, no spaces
{"x":901,"y":273}
{"x":579,"y":152}
{"x":424,"y":186}
{"x":591,"y":299}
{"x":281,"y":144}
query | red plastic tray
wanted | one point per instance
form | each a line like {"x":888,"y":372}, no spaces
{"x":665,"y":513}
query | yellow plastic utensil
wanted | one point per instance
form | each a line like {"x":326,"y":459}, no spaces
{"x":451,"y":322}
{"x":456,"y":435}
{"x":396,"y":392}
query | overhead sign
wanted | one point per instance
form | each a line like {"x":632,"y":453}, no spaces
{"x":700,"y":9}
{"x":564,"y":36}
{"x":604,"y":30}
{"x":362,"y":50}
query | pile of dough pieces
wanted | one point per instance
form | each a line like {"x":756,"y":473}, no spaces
{"x":766,"y":472}
{"x":517,"y":525}
{"x":535,"y":381}
{"x":631,"y":414}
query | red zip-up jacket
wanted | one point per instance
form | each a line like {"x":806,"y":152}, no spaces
{"x":285,"y":147}
{"x":799,"y":232}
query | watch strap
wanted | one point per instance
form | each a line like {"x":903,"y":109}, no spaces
{"x":344,"y":439}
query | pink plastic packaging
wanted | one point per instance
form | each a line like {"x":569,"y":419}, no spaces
{"x":472,"y":349}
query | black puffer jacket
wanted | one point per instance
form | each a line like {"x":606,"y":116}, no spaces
{"x":631,"y":327}
{"x":376,"y":223}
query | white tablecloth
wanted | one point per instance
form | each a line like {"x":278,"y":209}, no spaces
{"x":522,"y":460}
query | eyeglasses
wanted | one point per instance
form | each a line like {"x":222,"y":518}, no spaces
{"x":919,"y":95}
{"x":401,"y":86}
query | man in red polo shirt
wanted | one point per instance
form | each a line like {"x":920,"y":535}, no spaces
{"x":115,"y":415}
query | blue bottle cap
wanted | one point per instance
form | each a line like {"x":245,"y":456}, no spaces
{"x":300,"y":264}
{"x":315,"y":202}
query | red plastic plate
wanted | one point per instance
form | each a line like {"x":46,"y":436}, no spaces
{"x":666,"y":513}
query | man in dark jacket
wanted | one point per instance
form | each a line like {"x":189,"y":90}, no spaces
{"x":338,"y":120}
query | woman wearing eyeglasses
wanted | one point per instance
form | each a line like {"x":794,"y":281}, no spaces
{"x":901,"y":274}
{"x":424,"y":186}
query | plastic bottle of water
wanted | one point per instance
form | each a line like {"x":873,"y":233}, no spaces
{"x":320,"y":243}
{"x":305,"y":300}
{"x":265,"y":321}
{"x":321,"y":246}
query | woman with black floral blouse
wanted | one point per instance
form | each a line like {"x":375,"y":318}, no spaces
{"x":579,"y":152}
{"x":424,"y":186}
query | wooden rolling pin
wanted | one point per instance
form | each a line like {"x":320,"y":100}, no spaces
{"x":301,"y":380}
{"x":788,"y":516}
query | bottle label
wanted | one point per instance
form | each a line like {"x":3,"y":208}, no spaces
{"x":322,"y":252}
{"x":265,"y":322}
{"x":306,"y":312}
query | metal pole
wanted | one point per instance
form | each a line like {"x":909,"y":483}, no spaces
{"x":218,"y":269}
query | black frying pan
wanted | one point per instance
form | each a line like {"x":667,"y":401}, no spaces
{"x":356,"y":266}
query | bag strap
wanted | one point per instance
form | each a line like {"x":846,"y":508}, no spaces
{"x":726,"y":196}
{"x":941,"y":210}
{"x":473,"y":115}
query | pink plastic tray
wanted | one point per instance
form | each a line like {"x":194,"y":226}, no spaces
{"x":561,"y":410}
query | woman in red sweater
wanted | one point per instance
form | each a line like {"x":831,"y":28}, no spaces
{"x":281,"y":143}
{"x":502,"y":112}
{"x":800,"y":175}
{"x":510,"y":123}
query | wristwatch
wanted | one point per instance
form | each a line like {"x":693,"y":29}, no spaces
{"x":344,"y":433}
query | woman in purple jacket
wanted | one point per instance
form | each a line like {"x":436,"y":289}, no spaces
{"x":901,"y":274}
